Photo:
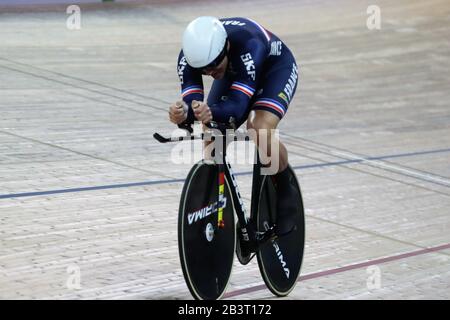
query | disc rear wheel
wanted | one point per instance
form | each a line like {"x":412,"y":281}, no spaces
{"x":280,"y":260}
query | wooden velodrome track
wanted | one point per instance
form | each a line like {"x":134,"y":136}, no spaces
{"x":84,"y":187}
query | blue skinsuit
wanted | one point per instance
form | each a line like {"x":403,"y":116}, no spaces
{"x":262,"y":75}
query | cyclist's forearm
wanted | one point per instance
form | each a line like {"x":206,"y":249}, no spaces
{"x":222,"y":111}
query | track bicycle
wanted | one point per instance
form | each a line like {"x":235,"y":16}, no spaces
{"x":208,"y":236}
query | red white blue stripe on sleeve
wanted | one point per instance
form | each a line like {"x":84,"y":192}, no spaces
{"x":271,"y":104}
{"x":245,"y":89}
{"x":190,"y":90}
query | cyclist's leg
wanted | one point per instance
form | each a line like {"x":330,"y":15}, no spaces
{"x":278,"y":88}
{"x":269,"y":107}
{"x":264,"y":123}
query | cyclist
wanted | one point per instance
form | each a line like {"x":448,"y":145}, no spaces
{"x":255,"y":78}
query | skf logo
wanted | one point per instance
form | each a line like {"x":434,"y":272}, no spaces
{"x":249,"y":65}
{"x":206,"y":211}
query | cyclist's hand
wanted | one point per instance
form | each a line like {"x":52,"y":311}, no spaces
{"x":202,"y":111}
{"x":178,"y":112}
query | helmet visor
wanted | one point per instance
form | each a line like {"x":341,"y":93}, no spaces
{"x":217,"y":61}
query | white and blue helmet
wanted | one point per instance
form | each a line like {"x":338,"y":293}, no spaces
{"x":204,"y":41}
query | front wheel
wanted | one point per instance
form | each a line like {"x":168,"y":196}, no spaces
{"x":280,"y":260}
{"x":206,"y":250}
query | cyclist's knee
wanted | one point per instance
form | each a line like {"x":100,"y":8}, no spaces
{"x":262,"y":120}
{"x":261,"y":129}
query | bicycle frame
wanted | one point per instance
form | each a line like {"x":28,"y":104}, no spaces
{"x":241,"y":212}
{"x":226,"y":171}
